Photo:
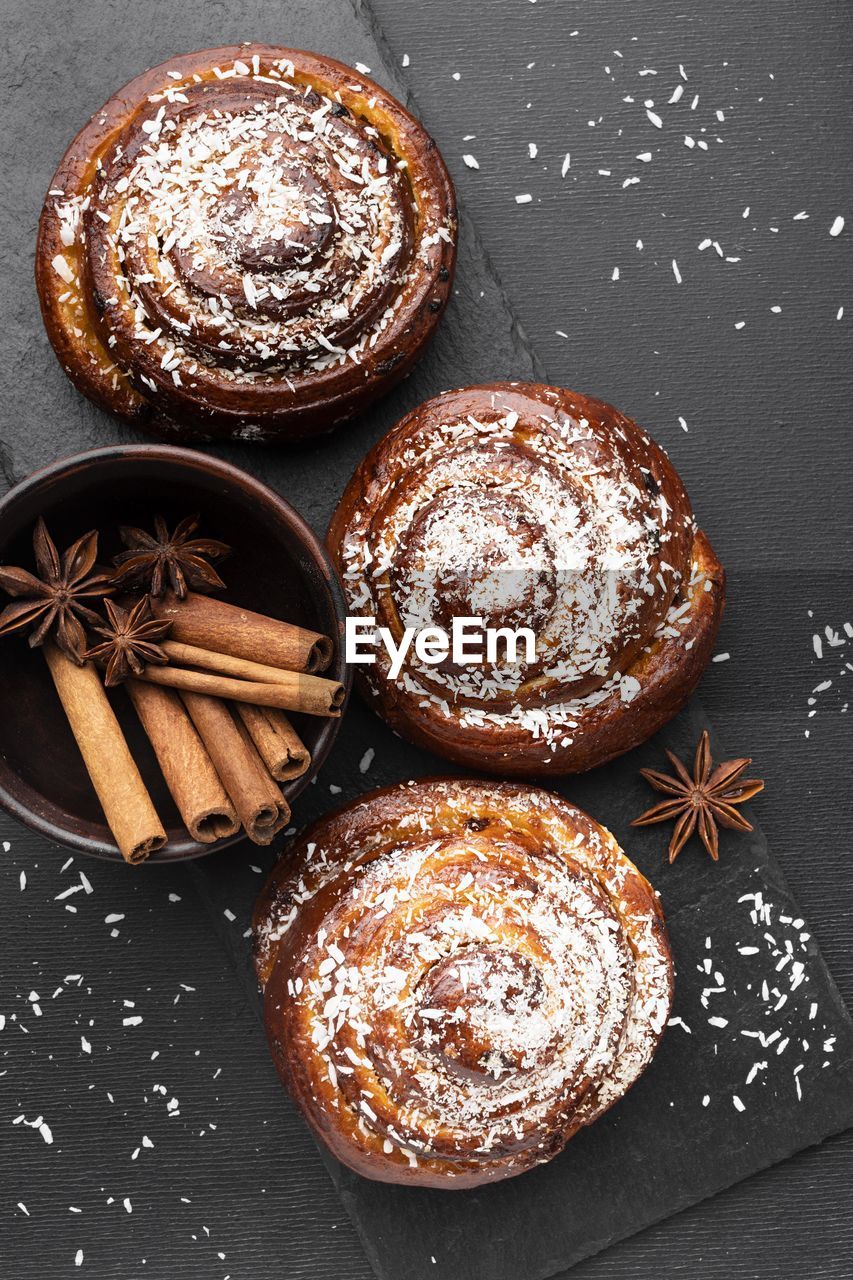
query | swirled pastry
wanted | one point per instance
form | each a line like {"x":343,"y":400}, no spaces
{"x":458,"y":976}
{"x":246,"y":242}
{"x":528,"y":507}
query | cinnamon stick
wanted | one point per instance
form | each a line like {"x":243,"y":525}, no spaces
{"x":278,"y":743}
{"x":190,"y":775}
{"x":310,"y":694}
{"x":118,"y":784}
{"x":226,"y":628}
{"x":260,"y":806}
{"x":225,"y":664}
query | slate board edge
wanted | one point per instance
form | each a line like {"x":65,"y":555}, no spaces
{"x":364,"y":13}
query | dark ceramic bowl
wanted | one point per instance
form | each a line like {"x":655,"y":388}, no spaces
{"x":276,"y":566}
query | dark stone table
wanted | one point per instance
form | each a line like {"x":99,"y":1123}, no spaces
{"x":685,"y":272}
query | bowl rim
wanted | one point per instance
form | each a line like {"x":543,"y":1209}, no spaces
{"x":196,"y":460}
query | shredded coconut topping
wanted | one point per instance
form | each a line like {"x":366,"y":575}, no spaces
{"x":543,"y":519}
{"x":245,"y":230}
{"x":490,"y":973}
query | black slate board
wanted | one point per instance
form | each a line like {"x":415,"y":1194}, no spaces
{"x":679,"y":1135}
{"x":660,"y":1150}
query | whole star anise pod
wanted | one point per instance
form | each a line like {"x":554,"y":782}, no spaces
{"x":130,"y":641}
{"x":703,"y":801}
{"x":169,"y":559}
{"x":53,"y":603}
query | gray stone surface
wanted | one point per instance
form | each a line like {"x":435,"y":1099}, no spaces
{"x":767,"y":462}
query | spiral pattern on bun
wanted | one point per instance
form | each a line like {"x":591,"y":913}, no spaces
{"x":527,"y":506}
{"x":458,"y":976}
{"x":250,"y":242}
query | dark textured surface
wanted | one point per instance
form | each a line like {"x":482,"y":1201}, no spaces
{"x":767,"y":456}
{"x":720,"y":1100}
{"x":767,"y":460}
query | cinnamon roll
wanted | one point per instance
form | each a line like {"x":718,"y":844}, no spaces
{"x":531,"y":507}
{"x":457,"y":977}
{"x":247,"y":242}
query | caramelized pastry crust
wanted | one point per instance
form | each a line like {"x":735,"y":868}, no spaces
{"x":247,"y":242}
{"x":458,"y":976}
{"x":529,"y":506}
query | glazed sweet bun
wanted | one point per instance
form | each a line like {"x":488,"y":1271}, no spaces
{"x":529,"y":507}
{"x":457,"y":977}
{"x":248,"y":242}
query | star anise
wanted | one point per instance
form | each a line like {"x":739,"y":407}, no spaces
{"x":129,"y":645}
{"x":169,"y":559}
{"x":53,"y":603}
{"x":701,"y":802}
